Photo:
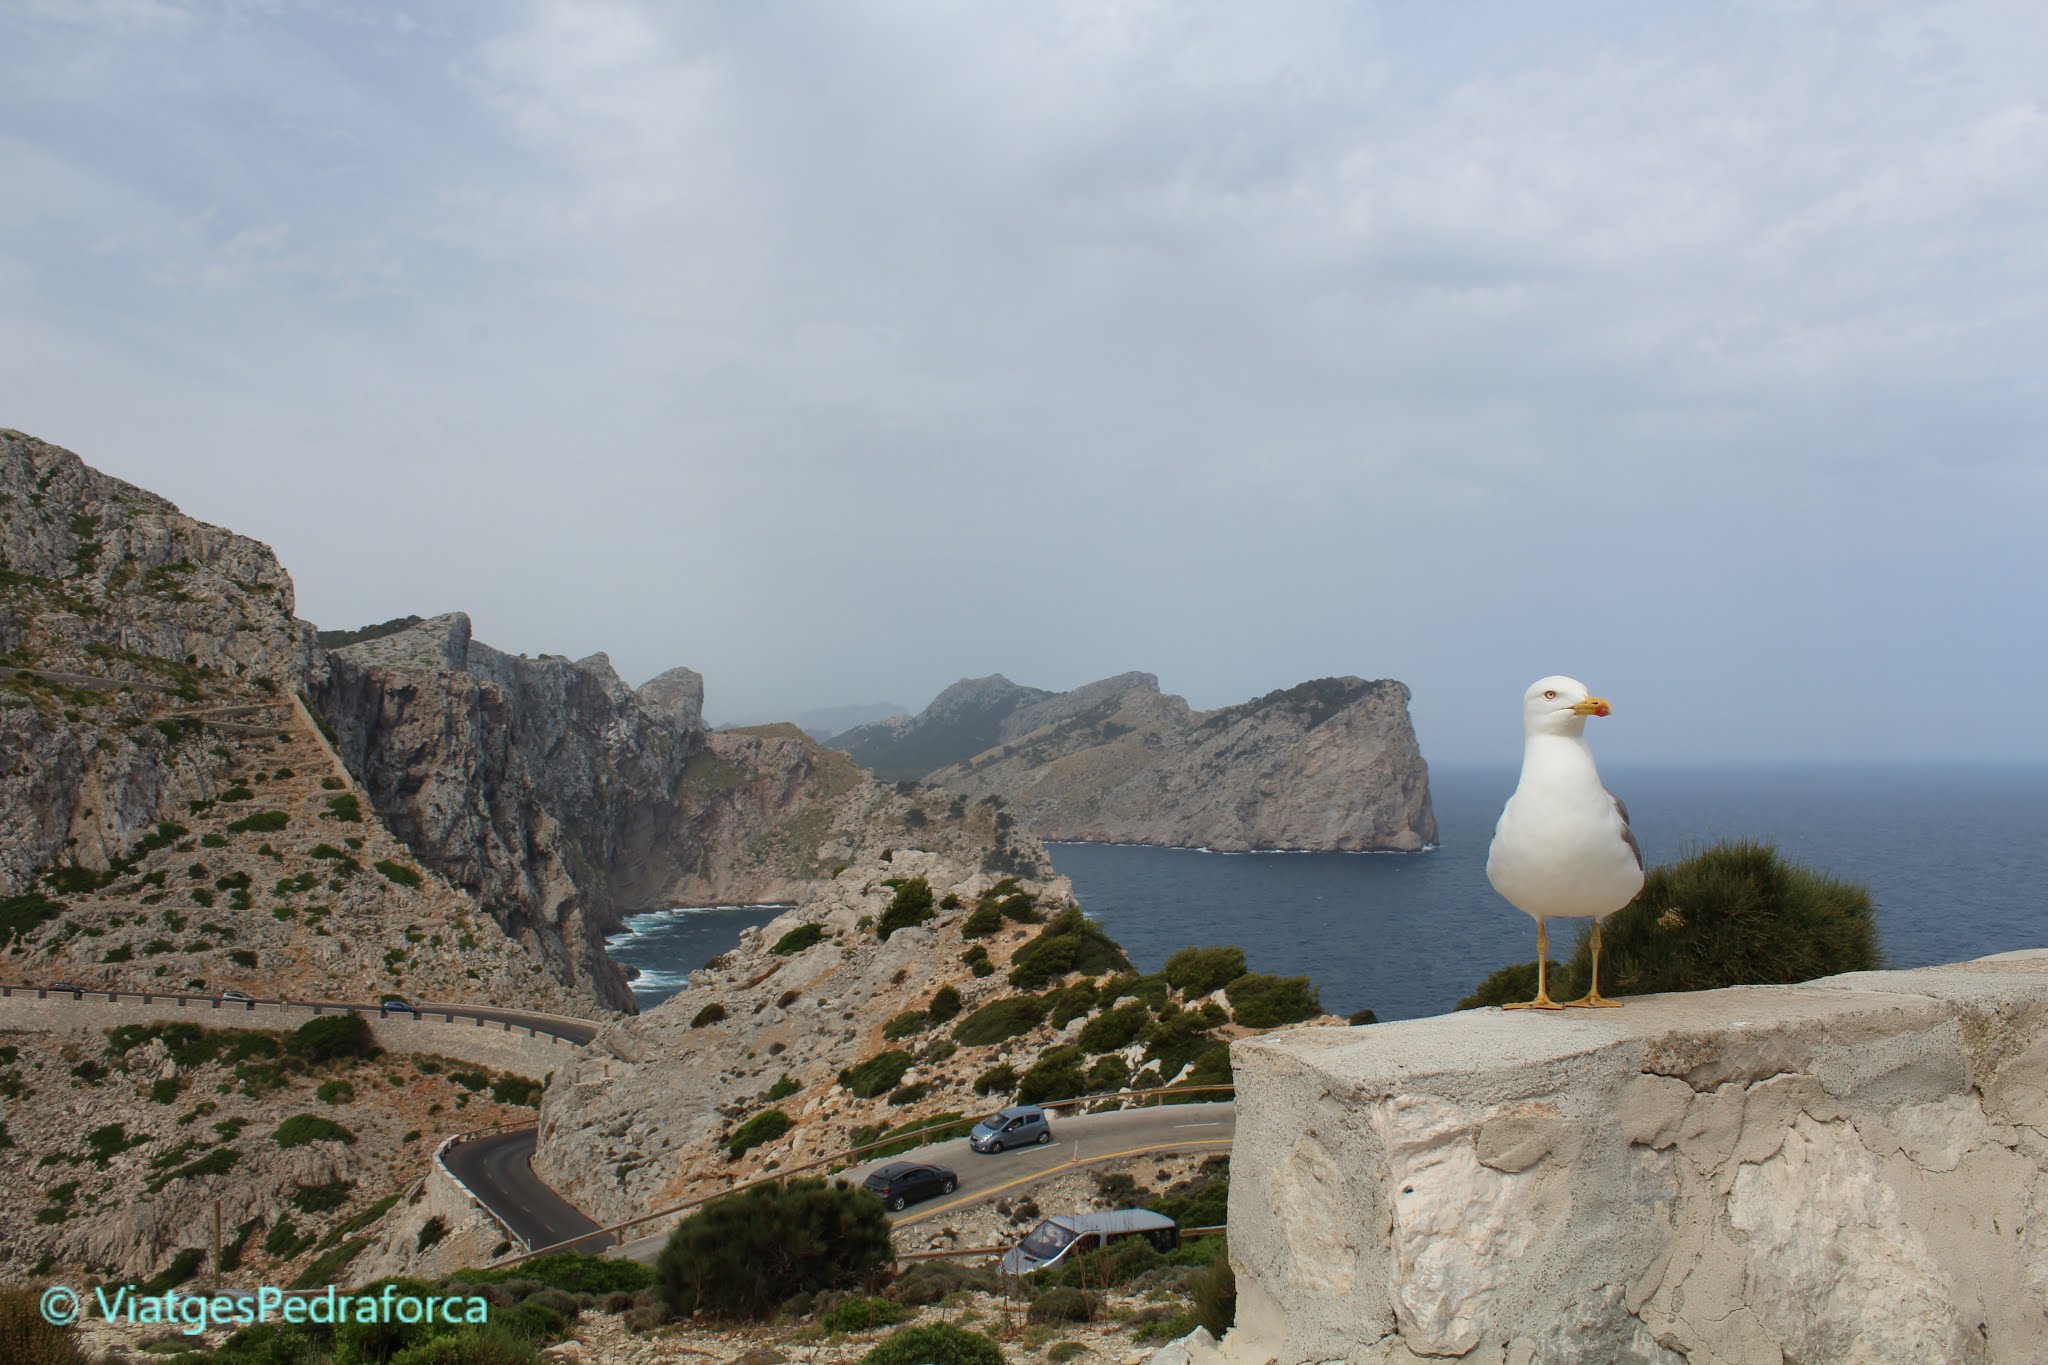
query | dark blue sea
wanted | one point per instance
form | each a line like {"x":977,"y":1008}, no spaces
{"x":1957,"y":860}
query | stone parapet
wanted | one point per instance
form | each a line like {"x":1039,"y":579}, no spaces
{"x":1853,"y":1169}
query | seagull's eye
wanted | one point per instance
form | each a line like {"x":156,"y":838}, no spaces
{"x":1550,"y":696}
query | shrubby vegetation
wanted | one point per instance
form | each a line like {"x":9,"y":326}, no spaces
{"x":1259,"y":1001}
{"x":877,"y":1075}
{"x":1001,"y":1019}
{"x":912,"y":904}
{"x":742,"y":1255}
{"x":798,"y":939}
{"x":1734,"y":914}
{"x":1069,"y":943}
{"x":1199,"y":971}
{"x":935,"y":1343}
{"x":765,"y":1126}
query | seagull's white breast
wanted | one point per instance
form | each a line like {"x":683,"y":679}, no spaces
{"x":1560,"y":848}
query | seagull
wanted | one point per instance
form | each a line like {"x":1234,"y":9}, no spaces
{"x":1563,"y":846}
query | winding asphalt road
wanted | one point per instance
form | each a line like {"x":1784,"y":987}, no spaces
{"x":1084,"y":1139}
{"x":576,"y":1031}
{"x":499,"y":1170}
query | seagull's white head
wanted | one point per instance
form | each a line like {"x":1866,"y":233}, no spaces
{"x":1558,"y":705}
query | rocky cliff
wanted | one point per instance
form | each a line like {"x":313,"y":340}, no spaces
{"x":1330,"y":764}
{"x":173,"y":819}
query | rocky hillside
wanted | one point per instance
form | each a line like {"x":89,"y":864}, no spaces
{"x":913,"y":990}
{"x":1331,"y":764}
{"x":173,"y":819}
{"x":117,"y":1144}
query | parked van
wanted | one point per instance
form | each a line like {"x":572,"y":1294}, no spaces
{"x":1073,"y":1235}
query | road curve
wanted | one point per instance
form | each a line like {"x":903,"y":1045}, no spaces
{"x":1081,"y":1140}
{"x":498,"y":1169}
{"x":578,"y":1031}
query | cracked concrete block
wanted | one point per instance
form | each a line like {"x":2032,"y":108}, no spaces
{"x":1843,"y":1170}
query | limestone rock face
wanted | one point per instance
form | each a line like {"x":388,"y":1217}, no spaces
{"x":1837,"y":1171}
{"x":1330,"y":764}
{"x":541,"y":786}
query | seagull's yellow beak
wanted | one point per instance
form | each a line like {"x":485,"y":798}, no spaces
{"x":1591,"y":706}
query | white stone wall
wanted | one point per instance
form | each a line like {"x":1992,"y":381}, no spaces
{"x":487,"y":1043}
{"x":1854,"y":1169}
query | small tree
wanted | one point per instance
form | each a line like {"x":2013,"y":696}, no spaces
{"x":334,"y":1035}
{"x":935,"y":1343}
{"x":911,"y":905}
{"x":741,"y":1256}
{"x":1198,"y":971}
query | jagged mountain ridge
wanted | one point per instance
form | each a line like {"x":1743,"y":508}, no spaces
{"x":1329,"y":764}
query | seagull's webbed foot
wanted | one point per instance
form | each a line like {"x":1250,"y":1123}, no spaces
{"x":1591,"y":1000}
{"x":1541,"y":1002}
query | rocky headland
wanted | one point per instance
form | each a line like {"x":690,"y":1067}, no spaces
{"x":1330,"y":764}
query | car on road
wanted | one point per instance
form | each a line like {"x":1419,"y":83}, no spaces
{"x":71,"y":986}
{"x":1074,"y":1235}
{"x":905,"y":1182}
{"x":1017,"y":1126}
{"x":237,"y":998}
{"x":392,"y":1004}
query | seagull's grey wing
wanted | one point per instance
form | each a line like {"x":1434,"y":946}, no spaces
{"x":1629,"y":835}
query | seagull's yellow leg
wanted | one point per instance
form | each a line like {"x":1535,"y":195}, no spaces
{"x":1542,"y":1000}
{"x":1592,"y":999}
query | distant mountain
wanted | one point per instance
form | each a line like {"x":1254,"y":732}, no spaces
{"x":824,"y":722}
{"x":1329,"y":764}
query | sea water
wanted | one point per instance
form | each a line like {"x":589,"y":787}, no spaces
{"x":1956,"y":859}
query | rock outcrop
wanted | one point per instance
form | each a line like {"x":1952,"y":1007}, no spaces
{"x":173,"y":818}
{"x":1850,"y":1169}
{"x":1330,"y":764}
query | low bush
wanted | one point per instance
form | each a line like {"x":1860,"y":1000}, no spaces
{"x":798,"y":939}
{"x":1007,"y":1018}
{"x":863,"y":1314}
{"x":1060,"y":1304}
{"x":945,"y":1005}
{"x":1000,"y":1079}
{"x":573,"y":1273}
{"x":936,"y":1343}
{"x":1116,"y":1028}
{"x":1056,"y":1075}
{"x":1733,"y":914}
{"x":984,"y":921}
{"x":740,"y":1256}
{"x":926,"y":1282}
{"x":1069,"y":943}
{"x":710,"y":1014}
{"x":1260,"y":1001}
{"x":911,"y":905}
{"x":262,"y":822}
{"x":1199,"y":971}
{"x":877,"y":1075}
{"x":333,"y":1036}
{"x":300,"y":1129}
{"x":28,"y":1337}
{"x":765,"y":1126}
{"x":782,"y":1089}
{"x":906,"y":1023}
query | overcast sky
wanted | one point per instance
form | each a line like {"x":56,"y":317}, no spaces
{"x":841,"y":350}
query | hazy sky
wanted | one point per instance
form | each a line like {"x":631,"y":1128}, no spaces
{"x":839,"y":350}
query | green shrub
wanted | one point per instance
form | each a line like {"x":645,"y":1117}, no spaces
{"x":1006,"y":1018}
{"x":710,"y":1014}
{"x":335,"y":1092}
{"x":262,"y":822}
{"x":1000,"y":1079}
{"x":984,"y":921}
{"x":1115,"y":1028}
{"x":344,"y":808}
{"x":782,"y":1089}
{"x":321,"y":1198}
{"x":431,"y":1232}
{"x":1108,"y":1073}
{"x":1259,"y":1001}
{"x":945,"y":1005}
{"x":1069,"y":943}
{"x":283,"y":1240}
{"x":877,"y":1075}
{"x":398,"y":873}
{"x":935,"y":1343}
{"x":911,"y":905}
{"x":863,"y":1314}
{"x":1060,"y":1304}
{"x":905,"y":1024}
{"x":1198,"y":971}
{"x":572,"y":1273}
{"x":765,"y":1126}
{"x":1176,"y":1040}
{"x":510,"y":1089}
{"x":742,"y":1255}
{"x":923,"y":1283}
{"x":798,"y":939}
{"x":910,"y":1094}
{"x":1056,"y":1075}
{"x":1734,"y":914}
{"x":333,"y":1036}
{"x":1072,"y":1001}
{"x":1213,"y":1289}
{"x":300,"y":1129}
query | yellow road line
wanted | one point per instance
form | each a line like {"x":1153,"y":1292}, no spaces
{"x":983,"y":1196}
